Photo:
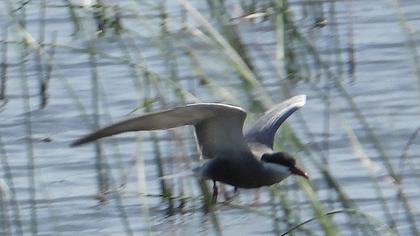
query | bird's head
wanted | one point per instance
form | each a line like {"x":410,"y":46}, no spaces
{"x":285,"y":161}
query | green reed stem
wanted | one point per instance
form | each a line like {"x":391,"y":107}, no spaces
{"x":29,"y":140}
{"x":102,"y":175}
{"x":118,"y":199}
{"x":48,"y":71}
{"x":73,"y":16}
{"x":4,"y":216}
{"x":410,"y":42}
{"x":12,"y":201}
{"x":347,"y":211}
{"x":249,"y":78}
{"x":3,"y":67}
{"x":376,"y":143}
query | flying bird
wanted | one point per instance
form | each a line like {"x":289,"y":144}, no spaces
{"x":241,"y":159}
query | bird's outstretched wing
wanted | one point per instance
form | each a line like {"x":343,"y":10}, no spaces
{"x":218,"y":126}
{"x":265,"y":127}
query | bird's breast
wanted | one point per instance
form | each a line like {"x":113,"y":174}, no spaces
{"x":239,"y":172}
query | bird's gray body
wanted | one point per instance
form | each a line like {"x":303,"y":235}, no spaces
{"x":233,"y":157}
{"x":243,"y":172}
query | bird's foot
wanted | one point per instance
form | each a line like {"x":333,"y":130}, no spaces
{"x":256,"y":198}
{"x":230,"y":197}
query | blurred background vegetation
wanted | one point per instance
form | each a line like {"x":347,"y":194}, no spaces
{"x":68,"y":67}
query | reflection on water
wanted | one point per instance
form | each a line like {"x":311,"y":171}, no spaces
{"x":383,"y":87}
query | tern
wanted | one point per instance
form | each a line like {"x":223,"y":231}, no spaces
{"x":241,"y":159}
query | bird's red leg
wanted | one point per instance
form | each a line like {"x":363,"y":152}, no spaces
{"x":215,"y":192}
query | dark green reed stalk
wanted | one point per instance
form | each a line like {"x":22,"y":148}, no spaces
{"x":343,"y":199}
{"x":168,"y":194}
{"x":400,"y":191}
{"x":369,"y":131}
{"x":287,"y":62}
{"x":120,"y":206}
{"x":106,"y":181}
{"x":308,"y":133}
{"x":164,"y":185}
{"x":229,"y":31}
{"x":224,"y":45}
{"x":35,"y":46}
{"x":29,"y":138}
{"x":336,"y":59}
{"x":356,"y":111}
{"x":334,"y":32}
{"x":329,"y":227}
{"x":411,"y":45}
{"x":284,"y":64}
{"x":153,"y":77}
{"x":114,"y":186}
{"x":358,"y":150}
{"x":48,"y":70}
{"x":3,"y":66}
{"x":118,"y":199}
{"x":410,"y":41}
{"x":102,"y":174}
{"x":27,"y":123}
{"x":380,"y":149}
{"x":73,"y":16}
{"x":4,"y":214}
{"x":126,"y":48}
{"x":205,"y":80}
{"x":185,"y":187}
{"x":332,"y":182}
{"x":11,"y":202}
{"x":237,"y":63}
{"x":39,"y":65}
{"x":403,"y":163}
{"x":405,"y":160}
{"x":143,"y":85}
{"x":116,"y":151}
{"x":7,"y":172}
{"x":274,"y":212}
{"x":351,"y":55}
{"x":284,"y":53}
{"x":357,"y":147}
{"x":169,"y":61}
{"x":386,"y":231}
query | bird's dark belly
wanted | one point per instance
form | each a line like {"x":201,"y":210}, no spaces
{"x":242,"y":175}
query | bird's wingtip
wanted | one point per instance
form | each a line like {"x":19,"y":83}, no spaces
{"x":300,"y":100}
{"x":77,"y":143}
{"x":74,"y":144}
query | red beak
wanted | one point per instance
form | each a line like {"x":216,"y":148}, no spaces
{"x":297,"y":171}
